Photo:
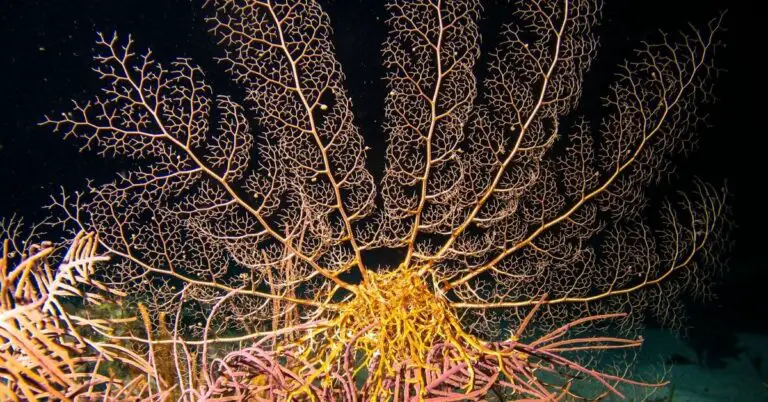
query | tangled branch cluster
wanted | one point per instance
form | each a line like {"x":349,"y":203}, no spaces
{"x":239,"y":247}
{"x":47,"y":353}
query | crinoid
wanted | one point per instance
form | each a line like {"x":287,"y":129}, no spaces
{"x":246,"y":229}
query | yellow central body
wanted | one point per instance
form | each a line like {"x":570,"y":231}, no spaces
{"x":392,"y":323}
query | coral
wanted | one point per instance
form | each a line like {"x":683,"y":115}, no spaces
{"x":45,"y":354}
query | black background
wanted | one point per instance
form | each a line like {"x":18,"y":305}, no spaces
{"x":45,"y":61}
